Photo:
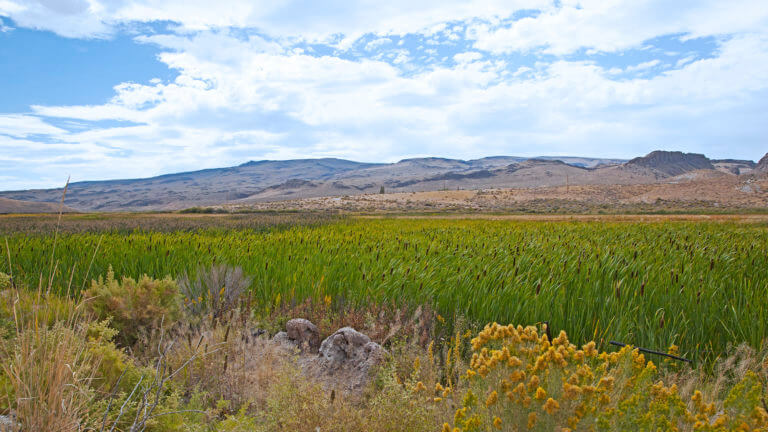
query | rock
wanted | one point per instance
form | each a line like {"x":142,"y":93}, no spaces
{"x":346,"y":359}
{"x":342,"y":362}
{"x":300,"y":334}
{"x":671,"y":163}
{"x":282,"y":340}
{"x":304,"y":333}
{"x":762,"y":165}
{"x":8,"y":424}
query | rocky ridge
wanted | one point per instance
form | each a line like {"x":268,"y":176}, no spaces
{"x":672,"y":163}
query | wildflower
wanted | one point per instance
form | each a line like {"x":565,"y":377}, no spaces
{"x":526,"y":401}
{"x":531,"y":420}
{"x":589,"y":349}
{"x":696,"y":398}
{"x":446,"y":427}
{"x":673,"y":349}
{"x":638,"y":359}
{"x":721,"y":421}
{"x":419,"y":387}
{"x":430,"y":352}
{"x":533,"y":383}
{"x":516,"y":376}
{"x":541,"y":394}
{"x":514,"y":361}
{"x":561,"y":339}
{"x":551,"y":406}
{"x":470,"y":399}
{"x":571,"y":391}
{"x":459,"y":415}
{"x":606,"y":383}
{"x":492,"y":399}
{"x":473,"y":423}
{"x":497,"y":422}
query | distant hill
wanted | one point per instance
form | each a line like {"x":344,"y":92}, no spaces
{"x":265,"y":181}
{"x":16,"y":206}
{"x":672,"y":163}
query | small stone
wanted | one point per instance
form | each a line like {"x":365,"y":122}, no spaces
{"x":8,"y":424}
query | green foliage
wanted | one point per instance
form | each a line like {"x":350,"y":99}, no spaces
{"x":134,"y":307}
{"x":5,"y":281}
{"x":644,"y":283}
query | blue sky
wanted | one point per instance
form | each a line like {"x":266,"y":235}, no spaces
{"x":101,"y":89}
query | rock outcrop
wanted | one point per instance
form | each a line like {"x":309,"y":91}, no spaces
{"x":672,"y":163}
{"x":762,"y":165}
{"x":344,"y":361}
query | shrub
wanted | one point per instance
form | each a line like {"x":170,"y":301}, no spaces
{"x":519,"y":380}
{"x":5,"y":281}
{"x":135,"y":307}
{"x":48,"y":372}
{"x":215,"y":290}
{"x":24,"y":307}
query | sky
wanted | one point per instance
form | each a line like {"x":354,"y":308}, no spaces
{"x":105,"y":89}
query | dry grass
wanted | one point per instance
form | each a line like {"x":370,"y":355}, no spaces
{"x":49,"y":372}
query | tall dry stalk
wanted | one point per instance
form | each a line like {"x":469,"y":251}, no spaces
{"x":52,"y":269}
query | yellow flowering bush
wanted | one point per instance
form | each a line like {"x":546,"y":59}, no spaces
{"x":519,"y":380}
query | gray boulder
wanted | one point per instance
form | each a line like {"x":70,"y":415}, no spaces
{"x":346,"y":359}
{"x":342,"y":362}
{"x":306,"y":334}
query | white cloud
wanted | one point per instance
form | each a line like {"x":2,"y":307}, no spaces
{"x":642,"y":66}
{"x":306,"y":19}
{"x":377,"y":43}
{"x":613,"y":25}
{"x":240,"y":97}
{"x":21,"y":126}
{"x":467,"y":57}
{"x":281,"y":104}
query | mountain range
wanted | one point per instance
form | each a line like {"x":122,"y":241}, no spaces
{"x":266,"y":181}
